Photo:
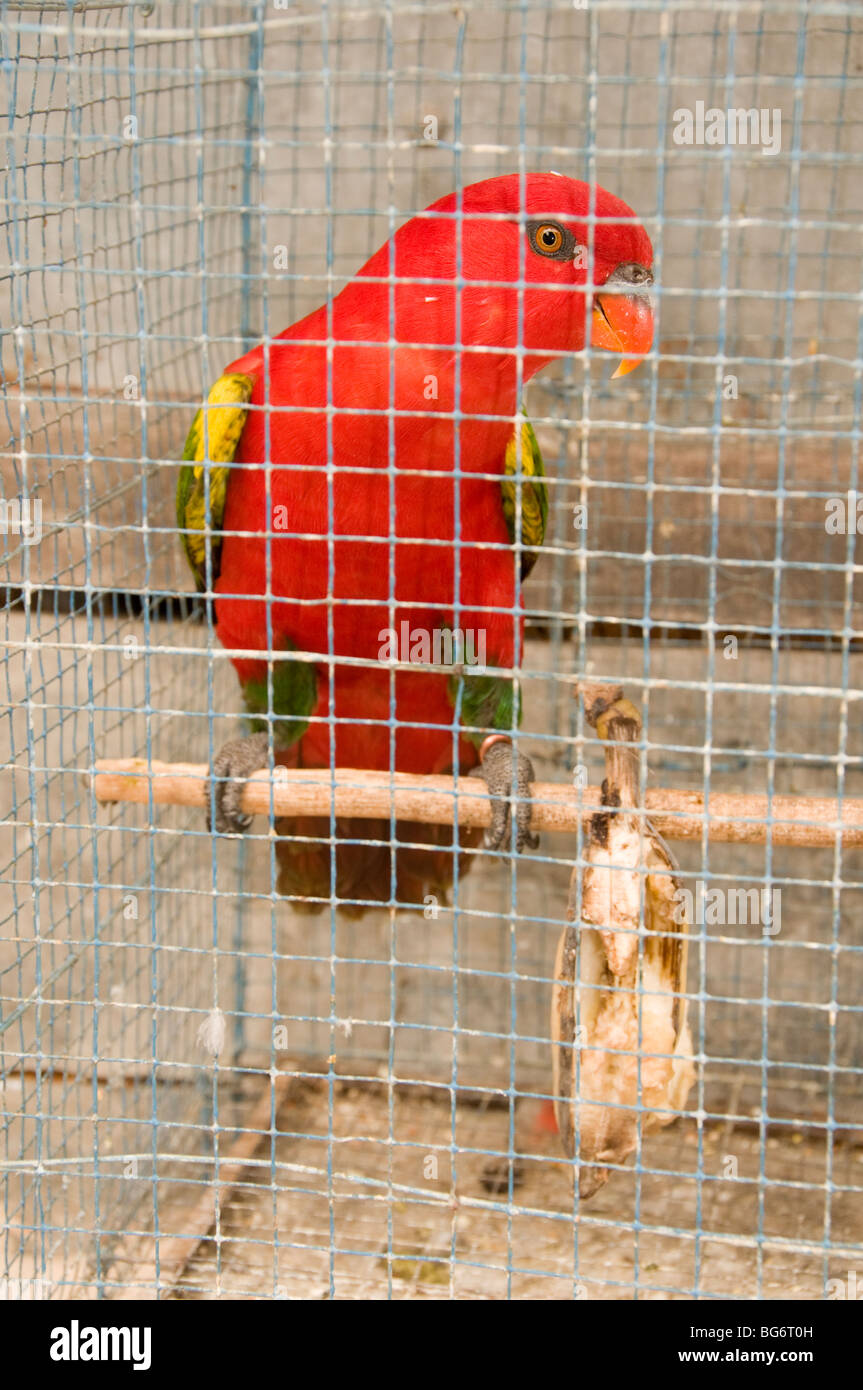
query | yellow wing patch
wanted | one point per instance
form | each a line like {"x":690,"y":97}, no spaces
{"x":525,"y":475}
{"x":203,"y":485}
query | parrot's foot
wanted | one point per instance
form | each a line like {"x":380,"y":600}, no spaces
{"x":500,"y":766}
{"x":233,"y":765}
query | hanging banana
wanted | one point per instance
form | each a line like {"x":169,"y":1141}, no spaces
{"x":621,"y":1049}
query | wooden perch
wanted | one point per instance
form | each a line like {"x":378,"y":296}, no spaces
{"x":738,"y":818}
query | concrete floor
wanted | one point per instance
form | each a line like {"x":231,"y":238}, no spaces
{"x":396,"y":1217}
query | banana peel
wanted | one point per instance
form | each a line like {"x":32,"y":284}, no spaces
{"x":622,"y":1052}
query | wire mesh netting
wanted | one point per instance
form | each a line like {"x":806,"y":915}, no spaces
{"x":207,"y":1090}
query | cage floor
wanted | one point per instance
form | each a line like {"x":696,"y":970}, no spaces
{"x":375,"y":1210}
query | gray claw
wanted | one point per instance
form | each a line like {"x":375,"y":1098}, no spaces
{"x":235,"y":761}
{"x":496,"y":770}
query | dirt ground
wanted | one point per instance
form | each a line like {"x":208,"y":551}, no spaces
{"x":381,"y":1208}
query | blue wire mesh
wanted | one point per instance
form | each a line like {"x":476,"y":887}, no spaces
{"x":368,"y":1125}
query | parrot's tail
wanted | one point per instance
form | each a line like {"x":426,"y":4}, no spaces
{"x":422,"y":857}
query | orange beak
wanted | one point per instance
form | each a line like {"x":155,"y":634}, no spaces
{"x":622,"y":323}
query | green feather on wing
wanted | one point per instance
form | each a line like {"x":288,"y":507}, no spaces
{"x":210,"y":449}
{"x":526,"y":475}
{"x":489,"y":701}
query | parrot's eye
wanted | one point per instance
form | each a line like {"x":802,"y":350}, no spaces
{"x":550,"y":239}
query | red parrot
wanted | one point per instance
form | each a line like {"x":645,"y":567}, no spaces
{"x":368,"y":476}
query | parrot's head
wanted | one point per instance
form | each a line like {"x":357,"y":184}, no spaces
{"x":581,"y":255}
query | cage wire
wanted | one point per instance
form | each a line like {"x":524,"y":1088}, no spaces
{"x":206,"y":1092}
